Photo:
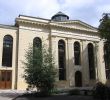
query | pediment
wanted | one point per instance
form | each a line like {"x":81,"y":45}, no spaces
{"x":77,"y":24}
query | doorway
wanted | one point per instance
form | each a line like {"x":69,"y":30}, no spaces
{"x":78,"y":79}
{"x":5,"y":79}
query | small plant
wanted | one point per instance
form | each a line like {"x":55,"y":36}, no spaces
{"x":74,"y":92}
{"x":101,"y":91}
{"x":54,"y":91}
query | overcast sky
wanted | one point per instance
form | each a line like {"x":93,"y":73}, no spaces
{"x":89,"y":11}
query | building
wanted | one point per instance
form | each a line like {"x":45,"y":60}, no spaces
{"x":77,"y":48}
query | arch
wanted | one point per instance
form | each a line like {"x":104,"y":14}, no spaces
{"x":78,"y":79}
{"x":91,"y":61}
{"x":62,"y":60}
{"x":37,"y":42}
{"x":7,"y":51}
{"x":77,"y":58}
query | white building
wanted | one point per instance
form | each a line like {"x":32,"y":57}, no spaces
{"x":77,"y":48}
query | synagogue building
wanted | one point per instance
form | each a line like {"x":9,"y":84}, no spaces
{"x":76,"y":46}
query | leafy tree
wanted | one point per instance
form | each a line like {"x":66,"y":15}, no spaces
{"x":104,"y":27}
{"x":39,"y":70}
{"x":104,"y":30}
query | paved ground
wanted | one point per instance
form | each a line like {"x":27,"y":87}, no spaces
{"x":14,"y":95}
{"x":9,"y":94}
{"x":61,"y":97}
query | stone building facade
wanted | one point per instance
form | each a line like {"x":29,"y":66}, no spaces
{"x":76,"y":46}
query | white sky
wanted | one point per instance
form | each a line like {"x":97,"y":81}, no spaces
{"x":89,"y":11}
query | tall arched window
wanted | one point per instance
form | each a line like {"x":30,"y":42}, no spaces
{"x":37,"y":52}
{"x":37,"y":42}
{"x":62,"y":60}
{"x":91,"y":61}
{"x":77,"y":53}
{"x":106,"y":58}
{"x":7,"y":51}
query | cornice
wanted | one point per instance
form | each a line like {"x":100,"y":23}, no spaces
{"x":20,"y":21}
{"x":48,"y":24}
{"x":78,"y":37}
{"x":8,"y":27}
{"x":72,"y":28}
{"x":75,"y":21}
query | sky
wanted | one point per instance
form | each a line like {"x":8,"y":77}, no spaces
{"x":88,"y":11}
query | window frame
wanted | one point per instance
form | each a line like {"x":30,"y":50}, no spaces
{"x":7,"y":53}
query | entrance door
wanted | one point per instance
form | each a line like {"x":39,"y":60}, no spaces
{"x":5,"y":79}
{"x":78,"y":79}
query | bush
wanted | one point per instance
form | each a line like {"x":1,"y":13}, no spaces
{"x":74,"y":92}
{"x":39,"y":69}
{"x":101,"y":91}
{"x":59,"y":91}
{"x":54,"y":91}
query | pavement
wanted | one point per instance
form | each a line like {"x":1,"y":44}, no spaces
{"x":58,"y":97}
{"x":15,"y":95}
{"x":10,"y":94}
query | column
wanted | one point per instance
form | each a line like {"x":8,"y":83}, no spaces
{"x":85,"y":64}
{"x":70,"y":66}
{"x":55,"y":53}
{"x":101,"y":64}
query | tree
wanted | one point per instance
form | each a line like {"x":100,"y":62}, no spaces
{"x":104,"y":27}
{"x":104,"y":30}
{"x":39,"y":70}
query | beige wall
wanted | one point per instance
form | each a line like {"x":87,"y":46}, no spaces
{"x":13,"y":32}
{"x":24,"y":35}
{"x":24,"y":43}
{"x":69,"y":38}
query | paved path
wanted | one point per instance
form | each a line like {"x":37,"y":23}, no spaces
{"x":61,"y":97}
{"x":13,"y":95}
{"x":9,"y":94}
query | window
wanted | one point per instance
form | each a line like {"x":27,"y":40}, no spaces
{"x":62,"y":60}
{"x":7,"y":51}
{"x":106,"y":58}
{"x":77,"y":53}
{"x":37,"y":42}
{"x":91,"y":61}
{"x":37,"y":53}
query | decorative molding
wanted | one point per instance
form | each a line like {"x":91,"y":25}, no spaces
{"x":8,"y":27}
{"x":53,"y":25}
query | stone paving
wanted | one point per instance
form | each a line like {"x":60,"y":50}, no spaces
{"x":14,"y":95}
{"x":10,"y":94}
{"x":60,"y":97}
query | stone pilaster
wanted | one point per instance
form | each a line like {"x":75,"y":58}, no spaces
{"x":70,"y":69}
{"x":55,"y":52}
{"x":85,"y":64}
{"x":101,"y":64}
{"x":96,"y":60}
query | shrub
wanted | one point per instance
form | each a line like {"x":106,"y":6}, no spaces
{"x":74,"y":92}
{"x":101,"y":91}
{"x":39,"y":69}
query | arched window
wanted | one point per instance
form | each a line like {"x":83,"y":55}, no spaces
{"x":78,"y":79}
{"x":7,"y":51}
{"x":77,"y":53}
{"x":62,"y":60}
{"x":37,"y":52}
{"x":37,"y":42}
{"x":106,"y":58}
{"x":91,"y":61}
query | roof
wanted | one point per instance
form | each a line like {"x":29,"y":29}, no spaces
{"x":60,"y":14}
